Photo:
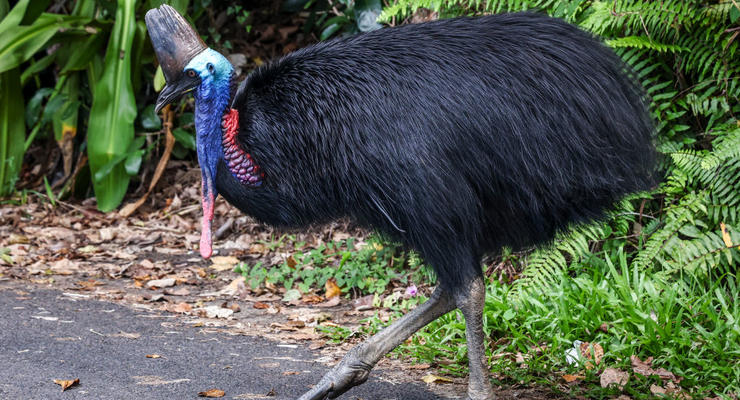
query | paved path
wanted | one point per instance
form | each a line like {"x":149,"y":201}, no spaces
{"x":45,"y":335}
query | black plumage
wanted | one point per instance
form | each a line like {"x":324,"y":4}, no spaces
{"x":455,"y":137}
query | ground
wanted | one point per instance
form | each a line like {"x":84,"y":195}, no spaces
{"x":89,"y":295}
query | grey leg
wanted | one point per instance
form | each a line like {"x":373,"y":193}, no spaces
{"x":357,"y":363}
{"x":471,"y":301}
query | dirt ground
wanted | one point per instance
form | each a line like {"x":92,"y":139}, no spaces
{"x":149,"y":260}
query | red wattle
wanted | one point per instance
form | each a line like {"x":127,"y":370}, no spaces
{"x":240,"y":163}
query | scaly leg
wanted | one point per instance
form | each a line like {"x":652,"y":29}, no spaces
{"x":357,"y":363}
{"x":471,"y":301}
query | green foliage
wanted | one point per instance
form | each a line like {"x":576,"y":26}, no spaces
{"x":81,"y":74}
{"x":689,"y":327}
{"x":113,"y":111}
{"x":338,"y":16}
{"x":20,"y":41}
{"x":12,"y":130}
{"x":371,"y":268}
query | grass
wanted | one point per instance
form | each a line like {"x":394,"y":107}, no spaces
{"x":689,"y":324}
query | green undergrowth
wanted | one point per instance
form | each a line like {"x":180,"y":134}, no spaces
{"x":368,"y":267}
{"x":687,"y":322}
{"x":689,"y":326}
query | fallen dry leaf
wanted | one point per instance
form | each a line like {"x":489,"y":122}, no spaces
{"x":332,"y":290}
{"x":572,"y":378}
{"x":126,"y":335}
{"x":613,"y":376}
{"x":89,"y":284}
{"x":257,"y":248}
{"x":333,"y":302}
{"x":657,"y":390}
{"x":260,"y":305}
{"x":212,"y":393}
{"x":311,"y":299}
{"x":235,"y":307}
{"x":216,"y":312}
{"x":435,"y":379}
{"x":364,"y":303}
{"x":596,"y":356}
{"x":66,"y":384}
{"x":725,"y":235}
{"x":153,"y":356}
{"x":224,"y":263}
{"x":645,"y":368}
{"x":161,"y":283}
{"x":235,"y":287}
{"x":181,"y":308}
{"x":177,"y":292}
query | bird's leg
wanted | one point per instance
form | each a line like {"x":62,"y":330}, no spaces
{"x":471,"y":301}
{"x":357,"y":363}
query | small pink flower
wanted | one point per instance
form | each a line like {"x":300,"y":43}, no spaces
{"x":411,"y":291}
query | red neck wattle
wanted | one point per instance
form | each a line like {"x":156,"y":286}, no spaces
{"x":240,"y":163}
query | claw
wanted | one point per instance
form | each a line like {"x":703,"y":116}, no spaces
{"x":350,"y":372}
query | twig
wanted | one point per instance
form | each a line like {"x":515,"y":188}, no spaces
{"x":129,"y":209}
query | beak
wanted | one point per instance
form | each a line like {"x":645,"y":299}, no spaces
{"x":175,"y":90}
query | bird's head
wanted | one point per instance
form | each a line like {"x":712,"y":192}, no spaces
{"x":190,"y":66}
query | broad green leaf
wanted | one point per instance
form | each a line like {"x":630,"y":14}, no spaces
{"x":19,"y":42}
{"x":4,"y":8}
{"x":159,"y":81}
{"x":36,"y":67}
{"x":33,"y":108}
{"x":329,"y":30}
{"x":185,"y":138}
{"x":133,"y":162}
{"x":111,"y":124}
{"x":150,"y":120}
{"x":81,"y":55}
{"x":106,"y":169}
{"x":65,"y":119}
{"x":12,"y":129}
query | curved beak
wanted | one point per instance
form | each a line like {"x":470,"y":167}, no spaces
{"x":175,"y":90}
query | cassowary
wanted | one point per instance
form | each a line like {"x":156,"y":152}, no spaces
{"x":455,"y":137}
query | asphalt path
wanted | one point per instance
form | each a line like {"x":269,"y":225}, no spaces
{"x":47,"y":335}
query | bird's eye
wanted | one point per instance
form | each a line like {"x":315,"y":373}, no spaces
{"x":191,"y":73}
{"x":211,"y":68}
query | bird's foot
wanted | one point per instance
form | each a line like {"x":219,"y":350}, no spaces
{"x":351,"y":371}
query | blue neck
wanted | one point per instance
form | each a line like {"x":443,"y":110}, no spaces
{"x":211,"y":100}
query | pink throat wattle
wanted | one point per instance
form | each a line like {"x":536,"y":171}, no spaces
{"x":240,"y":163}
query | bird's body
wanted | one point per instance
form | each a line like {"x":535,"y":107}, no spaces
{"x":454,"y":137}
{"x":474,"y":132}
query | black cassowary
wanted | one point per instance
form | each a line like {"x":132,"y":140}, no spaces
{"x":455,"y":137}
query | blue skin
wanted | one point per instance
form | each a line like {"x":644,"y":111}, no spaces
{"x":211,"y":99}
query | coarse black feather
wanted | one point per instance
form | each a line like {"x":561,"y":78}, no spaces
{"x":455,"y":137}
